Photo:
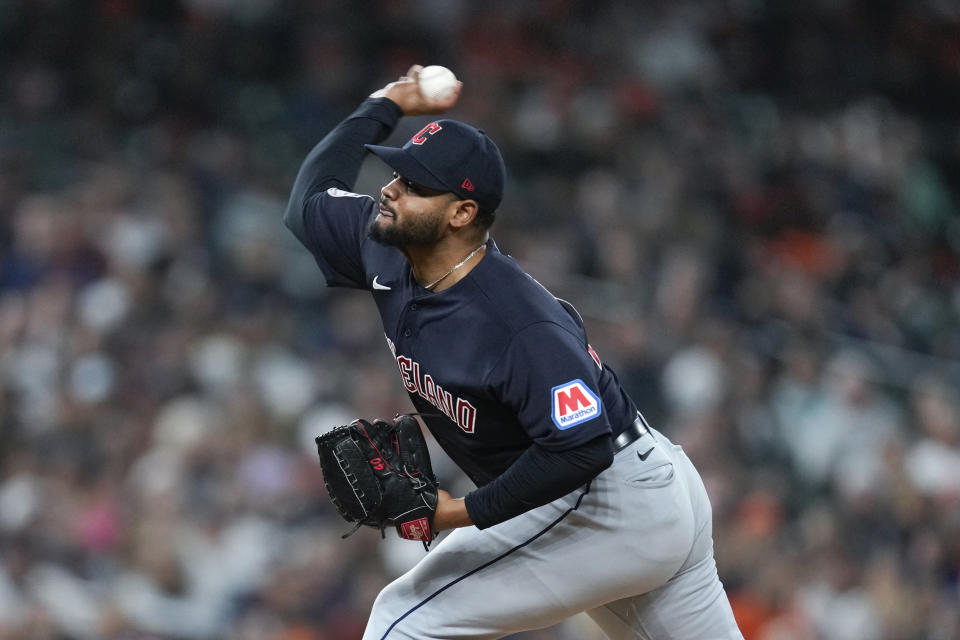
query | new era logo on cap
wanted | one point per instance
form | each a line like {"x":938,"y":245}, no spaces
{"x":448,"y":155}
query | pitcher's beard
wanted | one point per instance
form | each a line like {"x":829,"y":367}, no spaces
{"x":420,"y":231}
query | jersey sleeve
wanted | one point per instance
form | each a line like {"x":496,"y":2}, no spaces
{"x":322,"y":212}
{"x":335,"y":231}
{"x":548,"y":378}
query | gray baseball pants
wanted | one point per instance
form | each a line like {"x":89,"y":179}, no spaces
{"x":634,"y":550}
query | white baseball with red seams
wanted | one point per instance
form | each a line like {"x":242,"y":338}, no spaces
{"x":437,"y":82}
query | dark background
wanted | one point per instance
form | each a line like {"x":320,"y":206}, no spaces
{"x":753,"y":204}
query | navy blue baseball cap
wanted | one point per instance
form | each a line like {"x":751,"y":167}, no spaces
{"x":448,"y":155}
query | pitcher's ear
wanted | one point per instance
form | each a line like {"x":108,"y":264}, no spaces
{"x":465,"y":214}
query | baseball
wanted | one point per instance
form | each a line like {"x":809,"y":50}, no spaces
{"x":436,"y":82}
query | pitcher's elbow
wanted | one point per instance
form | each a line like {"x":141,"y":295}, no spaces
{"x":293,"y":219}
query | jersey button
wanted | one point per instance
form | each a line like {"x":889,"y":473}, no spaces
{"x":413,"y":307}
{"x":407,"y":333}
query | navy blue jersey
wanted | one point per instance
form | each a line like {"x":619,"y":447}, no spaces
{"x":495,"y":362}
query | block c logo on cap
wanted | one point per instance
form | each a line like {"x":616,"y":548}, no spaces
{"x":428,"y":130}
{"x":574,"y":403}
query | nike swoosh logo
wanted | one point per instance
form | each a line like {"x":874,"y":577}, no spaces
{"x":379,"y":287}
{"x":646,"y":454}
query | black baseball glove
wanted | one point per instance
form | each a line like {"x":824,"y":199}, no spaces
{"x":378,"y":474}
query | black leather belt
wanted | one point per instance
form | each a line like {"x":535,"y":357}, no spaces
{"x":631,"y":434}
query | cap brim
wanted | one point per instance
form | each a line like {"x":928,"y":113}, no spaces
{"x":400,"y":160}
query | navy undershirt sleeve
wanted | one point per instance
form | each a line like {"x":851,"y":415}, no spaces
{"x":537,"y":477}
{"x":336,"y":160}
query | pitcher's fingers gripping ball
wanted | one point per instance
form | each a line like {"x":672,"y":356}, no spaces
{"x":436,"y":82}
{"x":379,"y":474}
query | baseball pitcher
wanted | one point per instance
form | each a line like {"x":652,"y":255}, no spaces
{"x":580,"y":504}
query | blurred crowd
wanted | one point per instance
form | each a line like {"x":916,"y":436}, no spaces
{"x":753,"y":203}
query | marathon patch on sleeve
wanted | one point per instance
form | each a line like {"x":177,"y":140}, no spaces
{"x":574,"y":403}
